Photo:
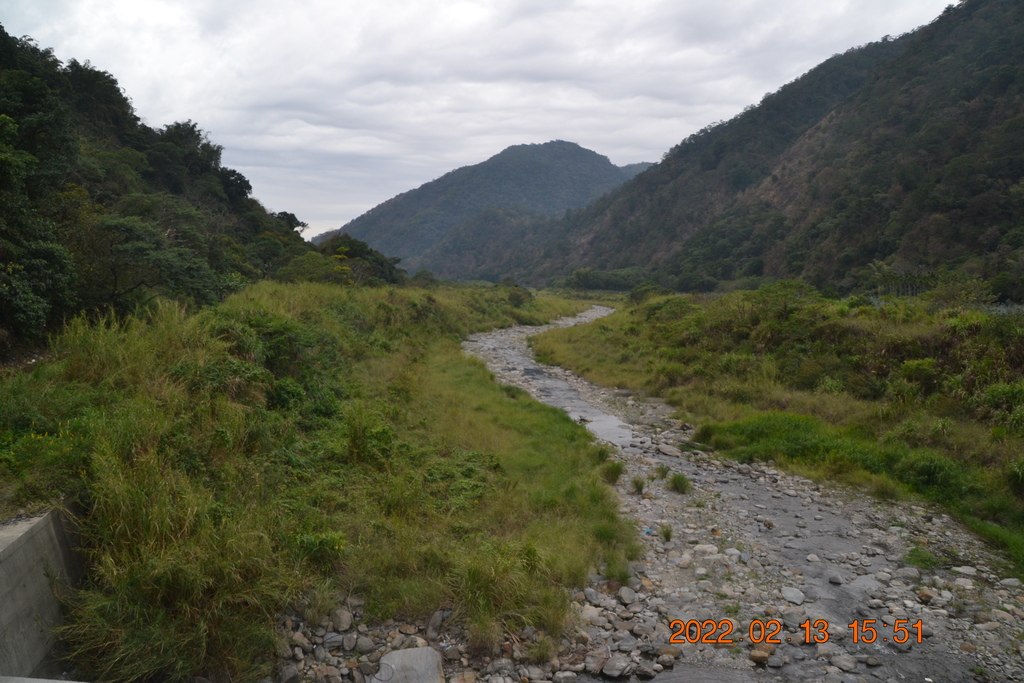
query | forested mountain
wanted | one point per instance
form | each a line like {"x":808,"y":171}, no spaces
{"x":99,"y":211}
{"x":921,"y":171}
{"x":545,"y":179}
{"x":883,"y":167}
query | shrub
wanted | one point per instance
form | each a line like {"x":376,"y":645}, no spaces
{"x":611,"y":471}
{"x":679,"y":483}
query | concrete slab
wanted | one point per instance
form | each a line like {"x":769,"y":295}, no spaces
{"x":416,"y":665}
{"x":33,"y":553}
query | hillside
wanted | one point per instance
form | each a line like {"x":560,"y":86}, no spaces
{"x":918,"y":173}
{"x":101,"y":212}
{"x":887,"y":168}
{"x":545,"y":179}
{"x":645,"y":221}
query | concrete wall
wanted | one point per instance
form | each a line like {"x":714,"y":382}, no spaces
{"x":33,"y":553}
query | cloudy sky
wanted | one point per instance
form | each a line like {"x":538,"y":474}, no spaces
{"x":330,"y":107}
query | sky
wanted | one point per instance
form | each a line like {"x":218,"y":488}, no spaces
{"x":330,"y":107}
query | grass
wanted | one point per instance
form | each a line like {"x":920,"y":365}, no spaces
{"x":638,"y":485}
{"x":611,"y":471}
{"x":923,"y":558}
{"x":896,"y":397}
{"x":295,"y":443}
{"x":679,"y":483}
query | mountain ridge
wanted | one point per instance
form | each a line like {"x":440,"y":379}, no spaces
{"x":891,"y":165}
{"x":545,"y":179}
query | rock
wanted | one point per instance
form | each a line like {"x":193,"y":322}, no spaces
{"x":813,"y":558}
{"x":793,"y":595}
{"x":301,"y":641}
{"x":644,"y":669}
{"x":669,"y":651}
{"x":348,"y":642}
{"x":616,"y":666}
{"x":565,"y":677}
{"x":364,"y":645}
{"x":595,"y":661}
{"x":468,"y":676}
{"x":759,"y":656}
{"x":289,"y":674}
{"x":835,"y":579}
{"x":420,"y":665}
{"x":1010,"y":583}
{"x":342,"y":619}
{"x":434,"y":625}
{"x":705,"y":549}
{"x":500,"y":666}
{"x":408,"y":629}
{"x":843,"y":661}
{"x":670,"y":451}
{"x":627,"y":595}
{"x":333,"y":641}
{"x":794,"y":616}
{"x":966,"y":571}
{"x":909,"y":573}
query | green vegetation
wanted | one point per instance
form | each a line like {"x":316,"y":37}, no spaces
{"x":902,"y":397}
{"x":611,"y":471}
{"x":536,"y":181}
{"x":922,"y":558}
{"x":638,"y":485}
{"x":889,"y":169}
{"x":296,"y":440}
{"x":679,"y":483}
{"x":100,"y":212}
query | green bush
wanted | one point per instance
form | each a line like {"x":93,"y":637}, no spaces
{"x":679,"y":483}
{"x":611,"y":471}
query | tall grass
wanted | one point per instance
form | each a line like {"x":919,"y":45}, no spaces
{"x":298,"y":440}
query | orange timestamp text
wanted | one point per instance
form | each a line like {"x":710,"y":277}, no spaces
{"x":724,"y":631}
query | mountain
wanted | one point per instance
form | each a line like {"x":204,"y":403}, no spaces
{"x":920,"y":171}
{"x":886,"y":166}
{"x":543,"y":179}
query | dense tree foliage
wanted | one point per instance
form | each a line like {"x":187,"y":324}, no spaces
{"x":99,"y":211}
{"x":919,"y":173}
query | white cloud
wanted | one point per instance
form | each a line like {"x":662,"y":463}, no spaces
{"x":332,"y":107}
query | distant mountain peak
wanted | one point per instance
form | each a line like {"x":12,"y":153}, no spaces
{"x":545,"y":179}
